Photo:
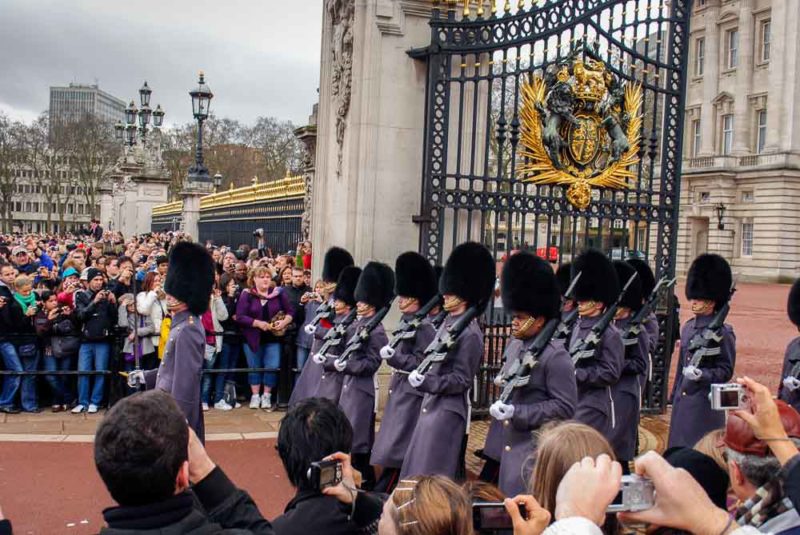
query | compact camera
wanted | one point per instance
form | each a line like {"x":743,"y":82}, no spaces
{"x":258,"y":233}
{"x":727,"y":397}
{"x":325,"y":474}
{"x":492,"y":517}
{"x":636,"y":493}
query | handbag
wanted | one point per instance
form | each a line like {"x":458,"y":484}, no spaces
{"x":65,"y":346}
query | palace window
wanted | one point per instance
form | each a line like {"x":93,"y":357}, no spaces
{"x":732,"y":47}
{"x":696,"y":137}
{"x":699,"y":55}
{"x":761,"y":130}
{"x":747,"y":196}
{"x":747,"y":238}
{"x":766,"y":28}
{"x":727,"y":134}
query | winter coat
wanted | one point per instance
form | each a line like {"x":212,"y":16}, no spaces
{"x":149,"y":304}
{"x":144,"y":331}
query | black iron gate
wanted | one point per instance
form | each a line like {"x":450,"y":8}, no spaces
{"x":475,"y":183}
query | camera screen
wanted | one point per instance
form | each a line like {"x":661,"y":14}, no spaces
{"x":729,"y":399}
{"x":495,"y":517}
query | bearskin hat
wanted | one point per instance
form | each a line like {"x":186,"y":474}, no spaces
{"x":529,"y":285}
{"x":793,"y":306}
{"x":633,"y":297}
{"x":346,"y":285}
{"x":709,"y":278}
{"x":598,"y":280}
{"x":646,"y":276}
{"x":336,"y":259}
{"x":469,"y":273}
{"x":375,"y":285}
{"x":190,"y":276}
{"x":415,"y":277}
{"x":564,"y":277}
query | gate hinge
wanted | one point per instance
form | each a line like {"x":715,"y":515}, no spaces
{"x":420,"y":219}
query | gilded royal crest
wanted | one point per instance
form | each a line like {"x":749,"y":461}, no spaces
{"x":580,"y":127}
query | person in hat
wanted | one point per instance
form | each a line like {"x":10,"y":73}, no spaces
{"x":336,"y":259}
{"x":627,"y":393}
{"x":190,"y":279}
{"x":596,"y":290}
{"x":415,"y":284}
{"x":330,"y":382}
{"x":705,"y":470}
{"x":648,"y":282}
{"x":708,"y":289}
{"x":789,"y":389}
{"x":374,"y":291}
{"x":436,"y":446}
{"x":754,"y":473}
{"x":531,"y":295}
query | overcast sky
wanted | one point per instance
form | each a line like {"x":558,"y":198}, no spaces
{"x":260,"y":57}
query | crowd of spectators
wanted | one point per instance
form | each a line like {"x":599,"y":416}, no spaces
{"x":94,"y":303}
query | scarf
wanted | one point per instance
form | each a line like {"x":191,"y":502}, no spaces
{"x":767,"y":503}
{"x":25,"y":302}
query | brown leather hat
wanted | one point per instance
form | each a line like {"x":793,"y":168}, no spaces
{"x":739,"y":436}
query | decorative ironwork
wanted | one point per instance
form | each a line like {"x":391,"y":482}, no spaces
{"x":490,"y":68}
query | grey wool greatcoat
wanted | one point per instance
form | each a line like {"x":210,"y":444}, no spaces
{"x":651,"y":326}
{"x":308,"y":381}
{"x":330,"y":381}
{"x":435,"y":446}
{"x":358,"y":387}
{"x":692,"y":415}
{"x":627,"y":394}
{"x":180,"y":368}
{"x":404,"y":401}
{"x":550,"y":395}
{"x":791,"y":358}
{"x":596,"y":375}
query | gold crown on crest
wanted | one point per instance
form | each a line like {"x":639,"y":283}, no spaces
{"x":589,"y":80}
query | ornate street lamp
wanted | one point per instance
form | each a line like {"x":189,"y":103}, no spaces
{"x":137,"y":120}
{"x":119,"y":131}
{"x":217,"y":182}
{"x":158,"y":117}
{"x":130,"y":134}
{"x":720,"y":211}
{"x":130,"y":113}
{"x":201,"y":101}
{"x":144,"y":95}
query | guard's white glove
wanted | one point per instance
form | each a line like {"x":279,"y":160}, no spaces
{"x":415,"y":378}
{"x":135,"y":378}
{"x":309,"y":329}
{"x":387,"y":352}
{"x":500,"y":411}
{"x":791,"y":383}
{"x":340,"y":365}
{"x":319,"y":358}
{"x":692,"y":373}
{"x":498,"y":380}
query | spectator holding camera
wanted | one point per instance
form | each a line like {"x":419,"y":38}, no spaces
{"x":138,"y":329}
{"x":59,"y":335}
{"x":152,"y":302}
{"x":97,"y":310}
{"x":10,"y":318}
{"x":123,"y":284}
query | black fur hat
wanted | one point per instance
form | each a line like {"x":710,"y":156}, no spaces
{"x":793,"y":306}
{"x":529,"y":285}
{"x":375,"y":285}
{"x":190,"y":276}
{"x":598,"y":280}
{"x":469,"y":273}
{"x":564,"y":277}
{"x":710,"y":278}
{"x":633,"y":297}
{"x":414,"y":277}
{"x":336,"y":259}
{"x":346,"y":285}
{"x":645,"y":275}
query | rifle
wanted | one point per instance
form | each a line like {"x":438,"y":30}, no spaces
{"x":362,"y":335}
{"x":408,"y":329}
{"x":565,"y":326}
{"x":701,"y":344}
{"x":324,"y":312}
{"x":520,"y":375}
{"x":586,"y":347}
{"x":438,"y":319}
{"x":631,"y":335}
{"x":335,"y":334}
{"x":442,"y":344}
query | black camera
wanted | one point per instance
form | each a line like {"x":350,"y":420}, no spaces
{"x":492,"y":517}
{"x":258,"y":233}
{"x":325,"y":474}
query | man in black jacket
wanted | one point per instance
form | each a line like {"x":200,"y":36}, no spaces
{"x":142,"y":456}
{"x":11,"y":318}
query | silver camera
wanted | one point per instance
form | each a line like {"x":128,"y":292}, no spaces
{"x":727,"y":397}
{"x":636,"y":493}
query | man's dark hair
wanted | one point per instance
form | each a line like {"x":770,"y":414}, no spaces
{"x":140,"y":446}
{"x":123,"y":259}
{"x":310,"y":431}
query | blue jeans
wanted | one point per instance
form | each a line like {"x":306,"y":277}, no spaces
{"x":93,"y":356}
{"x":11,"y":362}
{"x":267,"y":356}
{"x":227,"y":359}
{"x":208,"y":364}
{"x":302,"y":357}
{"x":61,"y":394}
{"x":29,"y":401}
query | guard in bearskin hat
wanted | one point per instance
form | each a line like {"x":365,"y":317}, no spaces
{"x":564,"y":277}
{"x":336,"y":259}
{"x":596,"y":290}
{"x":415,"y":286}
{"x":467,"y":285}
{"x":789,"y":389}
{"x":648,"y":283}
{"x":190,"y":279}
{"x":374,"y":294}
{"x":531,"y":295}
{"x":330,"y":382}
{"x":627,"y":393}
{"x":709,"y":285}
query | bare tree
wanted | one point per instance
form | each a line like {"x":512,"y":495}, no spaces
{"x":177,"y":155}
{"x":10,"y":158}
{"x":93,"y":153}
{"x":281,"y":151}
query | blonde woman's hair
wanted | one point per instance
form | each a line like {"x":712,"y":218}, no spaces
{"x":257,"y":271}
{"x":430,"y":505}
{"x":22,"y":281}
{"x":708,"y":445}
{"x":559,"y":447}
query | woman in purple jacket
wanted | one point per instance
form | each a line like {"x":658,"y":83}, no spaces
{"x":258,"y":312}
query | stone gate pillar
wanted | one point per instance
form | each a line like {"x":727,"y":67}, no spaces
{"x":367,"y":181}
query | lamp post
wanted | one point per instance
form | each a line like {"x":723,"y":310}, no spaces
{"x":138,"y":120}
{"x":217,"y":182}
{"x":201,"y":101}
{"x":720,"y":208}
